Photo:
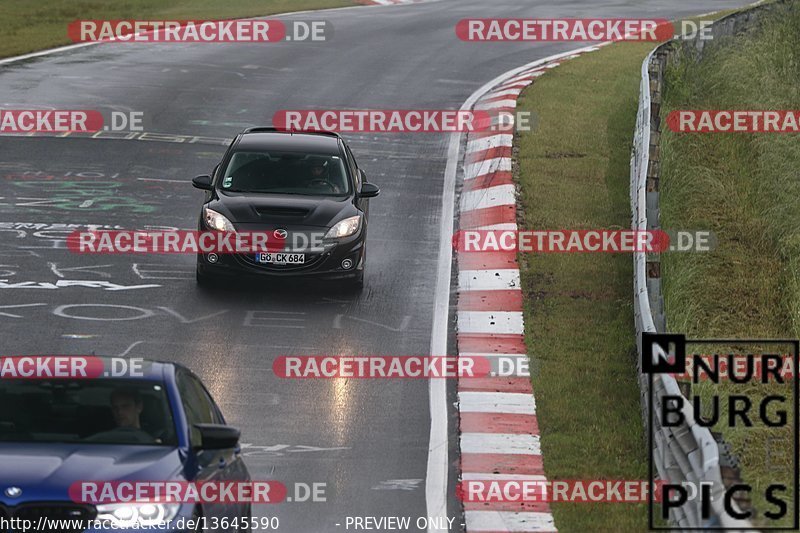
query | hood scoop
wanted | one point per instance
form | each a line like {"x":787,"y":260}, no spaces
{"x":281,"y":212}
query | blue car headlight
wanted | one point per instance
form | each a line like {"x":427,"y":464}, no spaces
{"x":137,"y":514}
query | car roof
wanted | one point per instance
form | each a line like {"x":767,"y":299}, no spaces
{"x":317,"y":143}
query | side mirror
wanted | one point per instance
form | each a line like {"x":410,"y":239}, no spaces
{"x":217,"y":436}
{"x":202,"y":182}
{"x":369,"y":190}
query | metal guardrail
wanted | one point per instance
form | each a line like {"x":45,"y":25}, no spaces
{"x":688,"y":453}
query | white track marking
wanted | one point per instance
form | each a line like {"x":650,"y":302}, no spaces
{"x":507,"y":92}
{"x":505,"y":322}
{"x":521,"y":403}
{"x":488,"y":280}
{"x":501,"y":443}
{"x":487,"y":166}
{"x":131,"y":347}
{"x":515,"y":85}
{"x":489,"y":197}
{"x":499,"y":477}
{"x":497,"y":104}
{"x":493,"y":141}
{"x":504,"y":226}
{"x":478,"y":521}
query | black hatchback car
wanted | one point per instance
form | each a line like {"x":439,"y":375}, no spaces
{"x":305,"y":189}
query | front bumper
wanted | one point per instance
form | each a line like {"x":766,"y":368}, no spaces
{"x":323,"y":264}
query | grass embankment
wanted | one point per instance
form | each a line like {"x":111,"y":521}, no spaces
{"x":28,"y":26}
{"x":745,"y":188}
{"x":574,"y":173}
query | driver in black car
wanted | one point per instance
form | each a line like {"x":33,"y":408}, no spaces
{"x":320,"y":176}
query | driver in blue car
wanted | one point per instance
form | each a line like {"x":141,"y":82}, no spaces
{"x":126,"y":407}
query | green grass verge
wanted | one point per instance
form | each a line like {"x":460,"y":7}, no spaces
{"x":28,"y":26}
{"x":745,"y":188}
{"x":574,"y":173}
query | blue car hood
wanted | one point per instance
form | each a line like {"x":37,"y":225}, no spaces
{"x":46,"y":471}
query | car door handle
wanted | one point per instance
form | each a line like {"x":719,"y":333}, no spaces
{"x":222,"y":463}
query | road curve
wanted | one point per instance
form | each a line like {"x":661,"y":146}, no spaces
{"x":367,"y":440}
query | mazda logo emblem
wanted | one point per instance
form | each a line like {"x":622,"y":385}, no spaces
{"x":13,"y":492}
{"x":280,"y":233}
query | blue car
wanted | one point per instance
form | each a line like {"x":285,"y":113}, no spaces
{"x":161,"y":426}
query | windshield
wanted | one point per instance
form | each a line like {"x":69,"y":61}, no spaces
{"x":86,"y":411}
{"x":286,"y":173}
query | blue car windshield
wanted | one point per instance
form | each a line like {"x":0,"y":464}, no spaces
{"x":285,"y":173}
{"x":92,"y":411}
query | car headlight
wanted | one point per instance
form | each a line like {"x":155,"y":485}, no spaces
{"x":217,"y":221}
{"x":344,"y":228}
{"x":141,"y":514}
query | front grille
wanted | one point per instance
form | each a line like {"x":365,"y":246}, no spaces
{"x":55,"y":511}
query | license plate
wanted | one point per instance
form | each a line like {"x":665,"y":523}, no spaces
{"x":280,"y":258}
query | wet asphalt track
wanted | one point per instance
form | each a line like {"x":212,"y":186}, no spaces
{"x":367,"y":440}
